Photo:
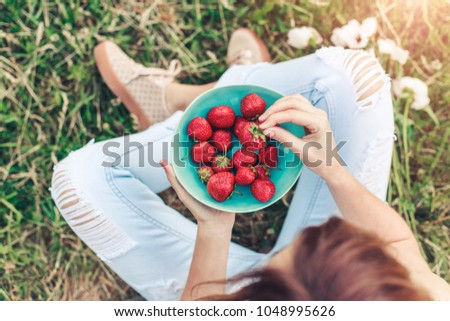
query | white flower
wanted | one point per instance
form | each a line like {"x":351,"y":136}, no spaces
{"x":302,"y":37}
{"x":400,"y":55}
{"x":436,"y":64}
{"x":368,"y":27}
{"x":388,"y":46}
{"x":354,"y":35}
{"x":419,"y":90}
{"x":347,"y":35}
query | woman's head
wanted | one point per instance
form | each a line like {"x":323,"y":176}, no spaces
{"x":333,"y":261}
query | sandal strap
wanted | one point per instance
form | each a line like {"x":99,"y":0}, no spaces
{"x":174,"y":69}
{"x":243,"y":57}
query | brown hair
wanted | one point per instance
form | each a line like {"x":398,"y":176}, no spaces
{"x":333,"y":261}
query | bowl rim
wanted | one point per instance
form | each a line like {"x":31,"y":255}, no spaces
{"x":186,"y":185}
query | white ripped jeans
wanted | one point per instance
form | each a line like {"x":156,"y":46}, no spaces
{"x":116,"y":210}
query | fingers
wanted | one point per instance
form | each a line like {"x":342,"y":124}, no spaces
{"x":199,"y":211}
{"x":169,"y":172}
{"x":290,"y":102}
{"x":286,"y":138}
{"x":181,"y":192}
{"x":302,"y":118}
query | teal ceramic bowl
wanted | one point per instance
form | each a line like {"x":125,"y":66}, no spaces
{"x":284,"y":177}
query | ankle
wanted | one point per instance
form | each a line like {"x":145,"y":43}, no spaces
{"x":174,"y":94}
{"x":179,"y":96}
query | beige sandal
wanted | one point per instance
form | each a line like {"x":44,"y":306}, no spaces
{"x":141,"y":89}
{"x":246,"y":48}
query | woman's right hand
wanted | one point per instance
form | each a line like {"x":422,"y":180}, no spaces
{"x":314,"y":149}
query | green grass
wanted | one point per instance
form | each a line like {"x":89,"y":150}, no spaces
{"x":52,"y":100}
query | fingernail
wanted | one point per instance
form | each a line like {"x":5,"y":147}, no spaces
{"x":163,"y":163}
{"x":263,"y":125}
{"x":262,"y":117}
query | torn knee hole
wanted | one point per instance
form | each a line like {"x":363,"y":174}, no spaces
{"x":58,"y":175}
{"x":82,"y":215}
{"x":370,"y":87}
{"x":95,"y":226}
{"x":96,"y":229}
{"x":365,"y":70}
{"x":74,"y":210}
{"x":65,"y":192}
{"x":367,"y":76}
{"x":57,"y":183}
{"x":68,"y":204}
{"x":86,"y":221}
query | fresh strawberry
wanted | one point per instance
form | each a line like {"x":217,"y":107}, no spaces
{"x":199,"y":129}
{"x":221,"y":140}
{"x":203,"y":152}
{"x":251,"y":136}
{"x":204,"y":173}
{"x":221,"y":117}
{"x":221,"y":164}
{"x":238,"y":125}
{"x":252,"y":106}
{"x":220,"y":186}
{"x":262,"y":171}
{"x":244,"y":158}
{"x":245,"y":176}
{"x":269,"y":156}
{"x":262,"y":189}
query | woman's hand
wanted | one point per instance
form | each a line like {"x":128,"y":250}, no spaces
{"x":203,"y":214}
{"x":209,"y":261}
{"x":311,"y":148}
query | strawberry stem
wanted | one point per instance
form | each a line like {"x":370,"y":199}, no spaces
{"x":185,"y":155}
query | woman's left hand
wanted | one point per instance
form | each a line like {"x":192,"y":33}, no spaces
{"x":204,"y":215}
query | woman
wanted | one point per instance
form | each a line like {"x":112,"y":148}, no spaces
{"x":367,"y":254}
